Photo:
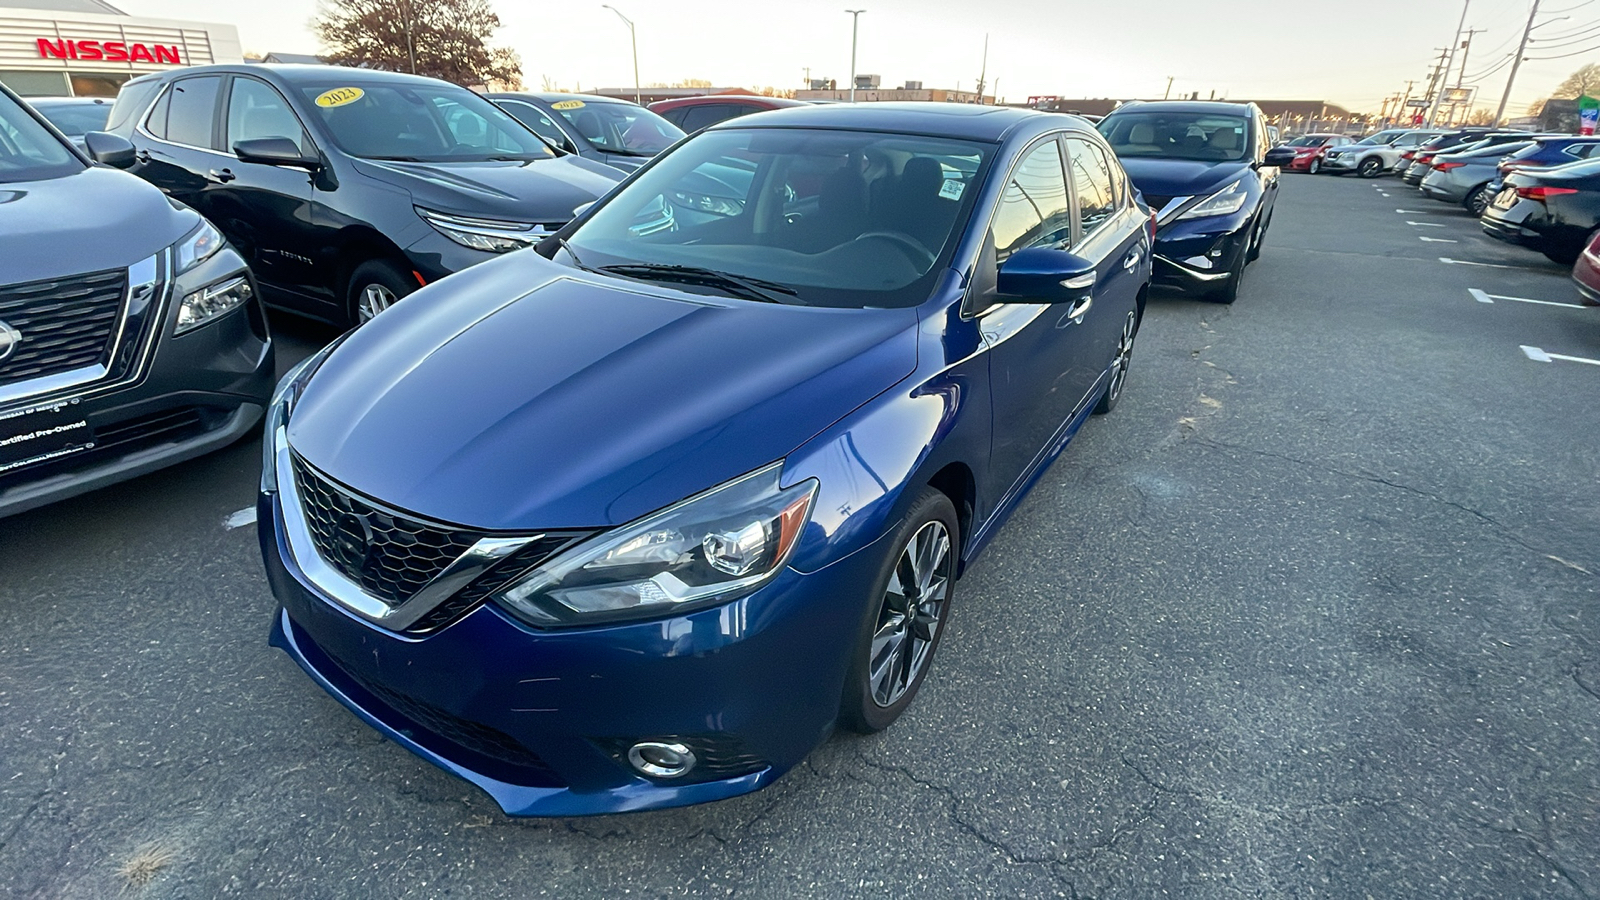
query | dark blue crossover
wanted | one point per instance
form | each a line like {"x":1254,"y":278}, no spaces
{"x":1202,"y":168}
{"x":637,"y":517}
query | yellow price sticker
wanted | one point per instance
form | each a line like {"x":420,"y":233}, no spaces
{"x":567,"y":104}
{"x":339,"y":97}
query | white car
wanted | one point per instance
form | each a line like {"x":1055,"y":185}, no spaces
{"x":1376,"y":153}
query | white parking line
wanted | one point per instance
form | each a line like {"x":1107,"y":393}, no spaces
{"x":1486,"y":297}
{"x":240,"y":518}
{"x":1426,"y":224}
{"x":1467,"y":262}
{"x":1414,"y":212}
{"x":1537,"y":355}
{"x":1430,"y":240}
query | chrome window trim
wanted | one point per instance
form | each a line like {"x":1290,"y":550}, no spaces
{"x":552,"y":120}
{"x":144,"y":286}
{"x":333,"y":584}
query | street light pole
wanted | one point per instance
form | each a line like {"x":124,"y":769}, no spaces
{"x":1438,"y":95}
{"x":1516,"y":63}
{"x":855,"y":26}
{"x":634,"y":38}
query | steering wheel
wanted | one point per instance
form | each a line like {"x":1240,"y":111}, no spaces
{"x":913,"y":247}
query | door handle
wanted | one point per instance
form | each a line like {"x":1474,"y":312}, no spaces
{"x":142,"y":156}
{"x":222,"y":176}
{"x":1132,"y":260}
{"x":1079,"y":308}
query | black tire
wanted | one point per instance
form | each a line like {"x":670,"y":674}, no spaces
{"x":1257,"y":238}
{"x":1120,"y":364}
{"x":1371,"y":167}
{"x":861,"y":708}
{"x":1478,"y":201}
{"x":380,"y":276}
{"x":1228,"y":291}
{"x":1565,"y":254}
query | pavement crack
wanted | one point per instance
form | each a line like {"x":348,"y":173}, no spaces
{"x":1540,"y":849}
{"x":22,"y":820}
{"x":1577,"y":678}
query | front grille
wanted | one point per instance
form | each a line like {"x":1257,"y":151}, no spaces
{"x":503,"y":573}
{"x":475,"y":737}
{"x":391,"y":556}
{"x":64,"y":323}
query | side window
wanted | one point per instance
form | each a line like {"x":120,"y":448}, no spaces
{"x":537,"y":122}
{"x":705,"y":115}
{"x":256,"y":111}
{"x":156,"y":122}
{"x":192,"y":113}
{"x":1033,"y":209}
{"x":131,"y":100}
{"x":1091,"y":179}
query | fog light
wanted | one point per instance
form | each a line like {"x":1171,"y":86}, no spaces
{"x":661,"y":760}
{"x":206,"y":304}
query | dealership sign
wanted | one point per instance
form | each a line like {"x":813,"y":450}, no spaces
{"x":109,"y":51}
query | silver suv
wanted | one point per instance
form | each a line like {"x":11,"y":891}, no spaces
{"x":1377,"y":153}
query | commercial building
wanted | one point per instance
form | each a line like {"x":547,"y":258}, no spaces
{"x":869,"y":89}
{"x":89,"y":47}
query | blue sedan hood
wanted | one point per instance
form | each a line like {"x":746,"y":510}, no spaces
{"x":1181,"y":177}
{"x":522,"y":395}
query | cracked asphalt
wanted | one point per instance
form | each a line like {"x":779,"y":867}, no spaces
{"x":1313,"y":614}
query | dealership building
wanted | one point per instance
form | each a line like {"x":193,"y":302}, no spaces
{"x":88,"y":48}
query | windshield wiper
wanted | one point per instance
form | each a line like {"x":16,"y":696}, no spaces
{"x":576,"y":262}
{"x":734,"y":285}
{"x":397,"y":158}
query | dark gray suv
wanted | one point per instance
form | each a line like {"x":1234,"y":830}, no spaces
{"x":131,"y":336}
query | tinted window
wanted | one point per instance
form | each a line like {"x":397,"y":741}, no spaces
{"x":256,"y":111}
{"x":1178,"y":135}
{"x":192,"y":111}
{"x":536,"y":120}
{"x":620,"y":127}
{"x":131,"y":100}
{"x":1091,"y":179}
{"x":843,"y":218}
{"x":706,"y":115}
{"x":1033,"y":210}
{"x":420,"y":122}
{"x":75,"y":119}
{"x":156,"y":122}
{"x":28,"y":151}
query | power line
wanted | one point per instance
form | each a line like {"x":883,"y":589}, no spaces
{"x":1565,"y":55}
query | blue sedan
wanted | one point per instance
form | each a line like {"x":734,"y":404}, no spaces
{"x":636,"y":518}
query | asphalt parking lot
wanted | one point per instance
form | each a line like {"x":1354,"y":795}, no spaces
{"x":1313,"y":613}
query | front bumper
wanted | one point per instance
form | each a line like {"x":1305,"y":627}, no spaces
{"x":1586,"y":277}
{"x":182,"y":397}
{"x":540,"y":720}
{"x":1199,"y":254}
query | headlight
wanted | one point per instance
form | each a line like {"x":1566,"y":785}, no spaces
{"x":708,"y":549}
{"x":488,"y":235}
{"x":196,"y":247}
{"x":207,"y":303}
{"x":716,"y":206}
{"x":282,"y":404}
{"x":1224,"y":202}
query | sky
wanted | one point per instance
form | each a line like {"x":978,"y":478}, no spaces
{"x":1352,"y":53}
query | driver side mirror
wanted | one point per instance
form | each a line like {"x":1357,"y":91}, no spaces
{"x":1278,"y":156}
{"x":276,"y":151}
{"x":1045,"y":275}
{"x":109,"y":149}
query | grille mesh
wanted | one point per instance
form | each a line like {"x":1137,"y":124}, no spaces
{"x":393,"y":558}
{"x":65,"y":323}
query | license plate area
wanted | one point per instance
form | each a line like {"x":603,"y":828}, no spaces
{"x":39,"y":434}
{"x":1505,"y":198}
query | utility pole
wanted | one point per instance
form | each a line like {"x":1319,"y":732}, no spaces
{"x":1521,"y":49}
{"x":807,"y":80}
{"x":855,"y":25}
{"x":983,"y":73}
{"x":1466,"y":48}
{"x":1433,"y":77}
{"x":1169,"y":88}
{"x":1433,"y":111}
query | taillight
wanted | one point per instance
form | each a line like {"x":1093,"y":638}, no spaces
{"x":1425,"y":158}
{"x":1447,"y":166}
{"x":1408,"y":155}
{"x":1152,"y":226}
{"x":1543,"y":193}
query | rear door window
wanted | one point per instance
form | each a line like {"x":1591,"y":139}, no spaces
{"x":1091,"y":180}
{"x":131,"y":100}
{"x":192,"y":111}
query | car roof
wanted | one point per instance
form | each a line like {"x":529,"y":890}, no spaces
{"x":746,"y":99}
{"x":65,"y":101}
{"x":1194,"y":106}
{"x":558,"y":96}
{"x":953,"y":120}
{"x":292,"y":73}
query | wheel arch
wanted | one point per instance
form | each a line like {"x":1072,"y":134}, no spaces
{"x":358,"y":244}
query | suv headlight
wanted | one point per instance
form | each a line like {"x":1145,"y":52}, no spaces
{"x":1223,"y":203}
{"x":711,"y":548}
{"x":212,"y":300}
{"x":488,"y":235}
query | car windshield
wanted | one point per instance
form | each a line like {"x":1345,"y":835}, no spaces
{"x":619,"y":127}
{"x":76,"y":119}
{"x":1382,"y":137}
{"x":808,"y":216}
{"x":1307,"y":141}
{"x":28,"y":151}
{"x":419,"y":122}
{"x":1178,"y":135}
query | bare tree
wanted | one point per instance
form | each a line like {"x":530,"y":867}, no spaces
{"x":1481,"y":117}
{"x":445,"y":39}
{"x":1581,"y":82}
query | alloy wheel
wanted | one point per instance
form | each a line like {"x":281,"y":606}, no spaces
{"x":1119,"y":365}
{"x":912,"y":612}
{"x":1315,"y":167}
{"x":375,"y":298}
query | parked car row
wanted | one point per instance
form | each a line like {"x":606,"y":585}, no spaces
{"x":624,"y":450}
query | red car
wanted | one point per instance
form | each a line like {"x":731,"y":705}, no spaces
{"x":694,"y":113}
{"x":1308,"y":151}
{"x":1586,"y":271}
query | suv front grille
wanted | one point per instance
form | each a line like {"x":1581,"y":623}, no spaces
{"x":391,"y":556}
{"x":64,"y":323}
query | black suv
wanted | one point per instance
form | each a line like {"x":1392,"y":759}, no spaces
{"x":347,"y":189}
{"x":131,"y":336}
{"x":1202,"y":167}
